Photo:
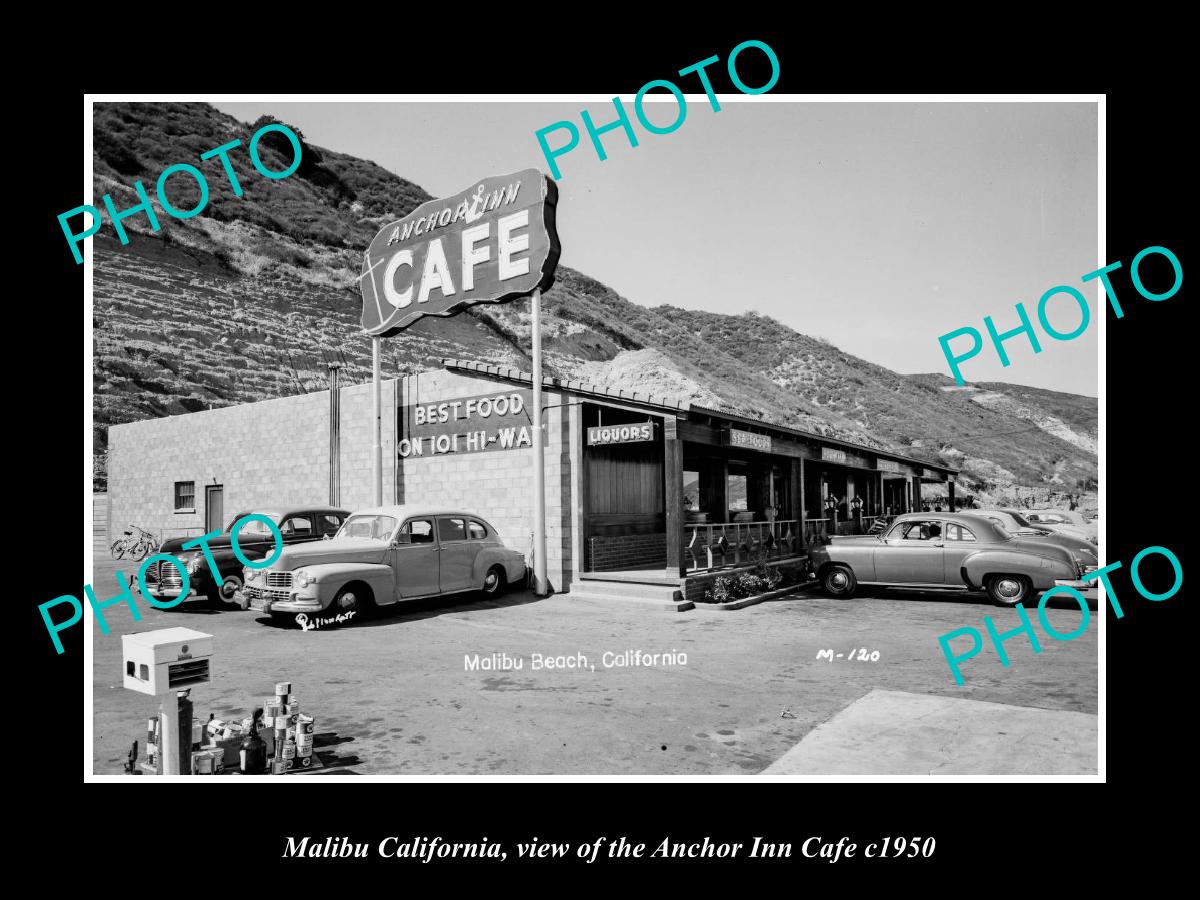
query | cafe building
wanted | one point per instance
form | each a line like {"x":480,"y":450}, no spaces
{"x":646,"y":496}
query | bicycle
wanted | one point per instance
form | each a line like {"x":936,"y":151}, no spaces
{"x":143,"y":546}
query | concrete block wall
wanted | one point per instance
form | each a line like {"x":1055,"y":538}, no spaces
{"x":497,"y":484}
{"x":271,"y":453}
{"x":627,"y":551}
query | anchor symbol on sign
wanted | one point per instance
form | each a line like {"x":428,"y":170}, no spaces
{"x":474,"y":211}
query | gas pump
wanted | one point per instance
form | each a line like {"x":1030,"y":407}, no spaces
{"x":166,"y":664}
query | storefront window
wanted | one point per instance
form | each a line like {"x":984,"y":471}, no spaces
{"x":736,"y":492}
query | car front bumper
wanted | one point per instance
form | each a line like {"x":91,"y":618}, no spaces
{"x":273,"y":600}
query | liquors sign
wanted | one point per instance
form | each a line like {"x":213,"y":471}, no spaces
{"x":496,"y":241}
{"x":620,"y":434}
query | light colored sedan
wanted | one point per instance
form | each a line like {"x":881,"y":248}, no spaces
{"x":1064,"y":521}
{"x":385,"y":555}
{"x":948,"y":552}
{"x":1018,"y":526}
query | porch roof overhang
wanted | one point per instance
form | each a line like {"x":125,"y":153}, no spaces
{"x":686,"y":407}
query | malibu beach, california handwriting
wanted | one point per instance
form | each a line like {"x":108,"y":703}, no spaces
{"x":609,"y":659}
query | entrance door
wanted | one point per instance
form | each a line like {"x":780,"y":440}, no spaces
{"x":214,"y":507}
{"x":414,"y":558}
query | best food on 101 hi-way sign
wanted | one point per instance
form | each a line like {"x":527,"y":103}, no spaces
{"x":493,"y":242}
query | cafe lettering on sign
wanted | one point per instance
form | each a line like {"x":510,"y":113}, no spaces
{"x":495,"y":241}
{"x":466,"y":425}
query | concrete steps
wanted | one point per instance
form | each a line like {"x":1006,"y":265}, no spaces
{"x":654,"y":596}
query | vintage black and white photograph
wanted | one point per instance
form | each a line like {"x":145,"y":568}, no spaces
{"x":710,"y":436}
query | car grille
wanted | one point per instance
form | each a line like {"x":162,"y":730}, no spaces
{"x":164,"y":575}
{"x":257,"y":593}
{"x":278,"y":579}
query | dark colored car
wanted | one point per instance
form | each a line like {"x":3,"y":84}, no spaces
{"x":297,"y":525}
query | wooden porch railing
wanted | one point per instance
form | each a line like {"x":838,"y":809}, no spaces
{"x":816,"y":531}
{"x":735,"y":543}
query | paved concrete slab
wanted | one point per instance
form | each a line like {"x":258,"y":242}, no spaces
{"x":898,"y":733}
{"x":392,"y":694}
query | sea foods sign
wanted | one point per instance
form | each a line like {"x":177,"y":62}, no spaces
{"x":493,"y":242}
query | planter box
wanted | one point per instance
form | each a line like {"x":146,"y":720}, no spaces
{"x":757,"y":598}
{"x":694,"y":584}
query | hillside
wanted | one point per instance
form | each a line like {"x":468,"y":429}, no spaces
{"x":240,"y":304}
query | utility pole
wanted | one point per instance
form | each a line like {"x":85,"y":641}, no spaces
{"x":335,"y":430}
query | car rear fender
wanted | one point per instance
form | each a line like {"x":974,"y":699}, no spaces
{"x":332,"y":577}
{"x":976,"y":568}
{"x":512,"y":562}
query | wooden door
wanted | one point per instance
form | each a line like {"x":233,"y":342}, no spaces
{"x":214,"y":507}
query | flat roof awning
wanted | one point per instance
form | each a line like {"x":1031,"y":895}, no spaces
{"x":676,"y":406}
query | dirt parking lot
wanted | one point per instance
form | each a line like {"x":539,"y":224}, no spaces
{"x":392,"y":694}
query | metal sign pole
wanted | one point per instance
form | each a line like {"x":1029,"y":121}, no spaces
{"x":335,"y":439}
{"x":539,"y":462}
{"x":376,"y":445}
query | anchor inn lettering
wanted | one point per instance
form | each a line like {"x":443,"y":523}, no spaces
{"x":493,"y":242}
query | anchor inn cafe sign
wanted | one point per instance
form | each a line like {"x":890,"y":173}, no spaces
{"x":493,"y":242}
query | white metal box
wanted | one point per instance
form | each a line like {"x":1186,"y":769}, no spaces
{"x":170,"y":659}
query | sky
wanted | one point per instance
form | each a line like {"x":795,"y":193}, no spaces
{"x":879,"y":227}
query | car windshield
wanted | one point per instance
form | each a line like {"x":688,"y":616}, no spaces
{"x":254,"y":527}
{"x":999,"y":532}
{"x":369,"y":526}
{"x":990,"y":527}
{"x":1006,"y":524}
{"x":1021,"y":520}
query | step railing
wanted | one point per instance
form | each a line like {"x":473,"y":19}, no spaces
{"x":716,"y":545}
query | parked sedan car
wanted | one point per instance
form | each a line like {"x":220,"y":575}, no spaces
{"x":1065,"y":521}
{"x":948,"y":551}
{"x":297,"y":525}
{"x":382,"y":556}
{"x":1018,"y":526}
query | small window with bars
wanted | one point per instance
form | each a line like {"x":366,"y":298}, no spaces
{"x":185,"y":496}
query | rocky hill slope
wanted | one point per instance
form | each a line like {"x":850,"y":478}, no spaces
{"x":246,"y":300}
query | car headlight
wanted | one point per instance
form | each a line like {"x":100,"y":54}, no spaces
{"x":302,"y":579}
{"x":193,"y":565}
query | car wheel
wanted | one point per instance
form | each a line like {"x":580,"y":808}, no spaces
{"x":839,"y":581}
{"x":354,"y":598}
{"x":494,"y":581}
{"x":1008,"y":590}
{"x":224,"y":594}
